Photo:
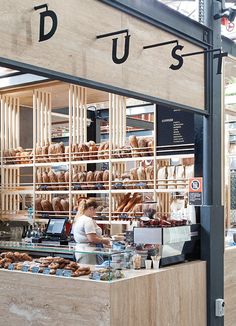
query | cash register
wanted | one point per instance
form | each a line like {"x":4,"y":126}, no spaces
{"x":56,"y":233}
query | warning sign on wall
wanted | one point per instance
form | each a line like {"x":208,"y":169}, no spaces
{"x":195,"y":191}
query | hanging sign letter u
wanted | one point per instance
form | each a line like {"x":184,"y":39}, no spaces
{"x":114,"y":50}
{"x":43,"y":15}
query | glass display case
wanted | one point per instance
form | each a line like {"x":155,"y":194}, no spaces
{"x":60,"y":261}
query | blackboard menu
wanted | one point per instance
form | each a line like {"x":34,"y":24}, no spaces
{"x":175,"y":131}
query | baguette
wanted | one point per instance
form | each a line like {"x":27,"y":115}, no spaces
{"x":123,"y":203}
{"x":136,"y":199}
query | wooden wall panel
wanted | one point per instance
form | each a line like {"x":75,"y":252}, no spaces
{"x":74,"y":49}
{"x":230,"y":286}
{"x":174,"y":296}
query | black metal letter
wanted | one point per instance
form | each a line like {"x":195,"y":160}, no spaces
{"x":114,"y":50}
{"x":177,"y":57}
{"x":220,"y":57}
{"x":43,"y":15}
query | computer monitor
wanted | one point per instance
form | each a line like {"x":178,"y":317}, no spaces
{"x":56,"y":226}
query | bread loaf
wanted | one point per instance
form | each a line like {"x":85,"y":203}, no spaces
{"x":85,"y":152}
{"x":53,"y":180}
{"x":106,"y":151}
{"x":105,"y":179}
{"x":67,"y":150}
{"x":98,"y":176}
{"x":150,"y":146}
{"x":56,"y":204}
{"x":52,"y":152}
{"x":38,"y":206}
{"x":142,"y":144}
{"x":75,"y":152}
{"x":93,"y":152}
{"x":38,"y":154}
{"x":18,"y":157}
{"x":90,"y":180}
{"x":46,"y":179}
{"x":61,"y":180}
{"x":39,"y":179}
{"x":65,"y":205}
{"x":133,"y":176}
{"x":67,"y":177}
{"x":134,"y":145}
{"x":101,"y":151}
{"x":60,"y":149}
{"x":46,"y":205}
{"x":149,"y":176}
{"x":44,"y":157}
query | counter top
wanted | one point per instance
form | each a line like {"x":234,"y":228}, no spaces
{"x":145,"y":297}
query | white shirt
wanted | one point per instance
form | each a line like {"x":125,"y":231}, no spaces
{"x":85,"y":225}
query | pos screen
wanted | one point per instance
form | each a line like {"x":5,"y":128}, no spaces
{"x":56,"y":226}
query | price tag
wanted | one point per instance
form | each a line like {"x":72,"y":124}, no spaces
{"x":45,"y":215}
{"x":35,"y":269}
{"x":99,"y":186}
{"x":46,"y":271}
{"x":11,"y":267}
{"x":141,"y":184}
{"x":43,"y":187}
{"x":59,"y":272}
{"x":118,"y":185}
{"x":77,"y":187}
{"x":67,"y":273}
{"x":105,"y":166}
{"x":25,"y":268}
{"x":123,"y":215}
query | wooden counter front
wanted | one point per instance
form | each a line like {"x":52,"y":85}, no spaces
{"x":174,"y":296}
{"x":230,"y":286}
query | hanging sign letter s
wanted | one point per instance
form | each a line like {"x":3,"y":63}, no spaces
{"x":177,"y":57}
{"x":43,"y":15}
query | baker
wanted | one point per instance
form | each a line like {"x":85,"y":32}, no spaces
{"x":87,"y":234}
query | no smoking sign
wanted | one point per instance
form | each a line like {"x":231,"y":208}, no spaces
{"x":195,"y":191}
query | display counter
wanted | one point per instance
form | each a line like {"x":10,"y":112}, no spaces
{"x":230,"y":286}
{"x":169,"y":296}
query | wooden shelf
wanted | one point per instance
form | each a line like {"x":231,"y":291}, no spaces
{"x":15,"y":166}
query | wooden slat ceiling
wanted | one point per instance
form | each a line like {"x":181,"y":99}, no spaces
{"x":59,"y":91}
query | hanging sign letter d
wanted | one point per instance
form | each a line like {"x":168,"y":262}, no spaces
{"x":43,"y":15}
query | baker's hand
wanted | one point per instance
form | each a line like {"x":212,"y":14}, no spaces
{"x":106,"y":241}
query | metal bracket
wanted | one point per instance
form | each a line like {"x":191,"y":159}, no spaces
{"x":160,"y":44}
{"x":41,"y":7}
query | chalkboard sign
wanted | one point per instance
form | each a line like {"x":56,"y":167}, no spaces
{"x":175,"y":131}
